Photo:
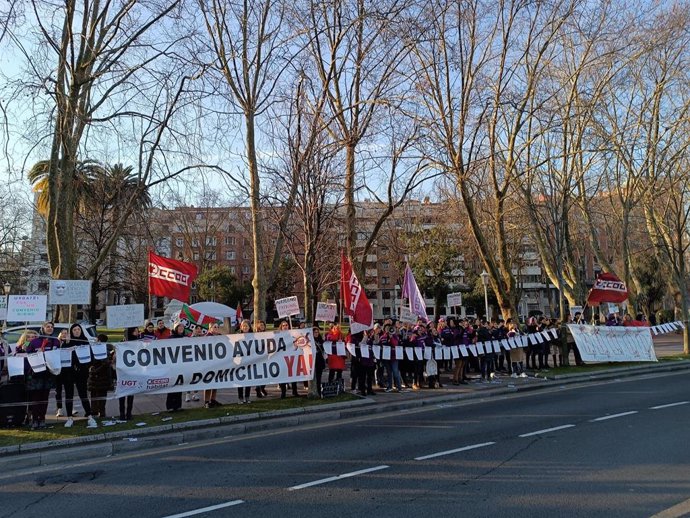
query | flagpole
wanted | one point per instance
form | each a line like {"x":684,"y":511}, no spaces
{"x":148,"y":284}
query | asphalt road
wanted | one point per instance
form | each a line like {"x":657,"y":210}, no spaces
{"x":616,"y":448}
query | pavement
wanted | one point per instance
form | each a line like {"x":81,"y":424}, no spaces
{"x":106,"y":443}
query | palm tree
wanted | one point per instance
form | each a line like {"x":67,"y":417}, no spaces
{"x":85,"y":173}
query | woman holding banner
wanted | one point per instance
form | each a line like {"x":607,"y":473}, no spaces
{"x":77,"y":375}
{"x":173,"y":401}
{"x":244,"y":392}
{"x":38,"y":384}
{"x":260,"y":327}
{"x":210,"y":394}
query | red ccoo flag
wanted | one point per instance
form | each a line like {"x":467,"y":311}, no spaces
{"x":607,"y":288}
{"x":170,"y":278}
{"x":355,"y":301}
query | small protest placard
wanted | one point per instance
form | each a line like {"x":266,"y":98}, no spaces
{"x":125,"y":315}
{"x":326,"y":312}
{"x":287,"y":307}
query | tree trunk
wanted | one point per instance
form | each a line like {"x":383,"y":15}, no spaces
{"x":258,"y":280}
{"x":350,"y":210}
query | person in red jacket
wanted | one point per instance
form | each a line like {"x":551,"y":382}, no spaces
{"x":336,"y":364}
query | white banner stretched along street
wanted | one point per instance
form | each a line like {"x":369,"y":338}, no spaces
{"x":223,"y":361}
{"x":613,"y":344}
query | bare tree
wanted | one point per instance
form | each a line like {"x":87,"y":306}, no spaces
{"x":479,"y":78}
{"x":357,"y":51}
{"x":251,"y":52}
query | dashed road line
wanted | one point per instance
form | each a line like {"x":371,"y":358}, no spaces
{"x":206,"y":509}
{"x":457,"y":450}
{"x":547,"y":430}
{"x":337,"y":477}
{"x":613,"y":416}
{"x":669,"y":405}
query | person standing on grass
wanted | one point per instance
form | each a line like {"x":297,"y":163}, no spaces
{"x":260,"y":327}
{"x":80,"y":378}
{"x":101,"y":379}
{"x":38,"y":384}
{"x":243,"y":393}
{"x":211,"y":394}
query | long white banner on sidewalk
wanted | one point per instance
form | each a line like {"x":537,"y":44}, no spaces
{"x":225,"y":361}
{"x":613,"y":344}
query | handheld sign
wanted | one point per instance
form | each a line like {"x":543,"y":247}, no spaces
{"x":125,"y":315}
{"x":27,"y":308}
{"x":454,"y":300}
{"x":70,"y":291}
{"x":287,"y":307}
{"x":326,"y":312}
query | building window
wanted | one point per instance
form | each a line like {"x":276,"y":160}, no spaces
{"x":385,"y":265}
{"x":229,"y":240}
{"x":195,"y":255}
{"x":386,"y":295}
{"x":245,"y":269}
{"x":195,"y":241}
{"x":179,"y":242}
{"x":199,"y":216}
{"x":245,"y":255}
{"x":233,"y":270}
{"x":210,"y":256}
{"x":230,"y":255}
{"x":210,"y":241}
{"x":385,"y":280}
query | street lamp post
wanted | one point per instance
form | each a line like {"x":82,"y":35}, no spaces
{"x":485,"y":282}
{"x":6,"y":289}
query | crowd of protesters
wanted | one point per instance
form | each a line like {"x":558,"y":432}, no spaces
{"x":422,"y":364}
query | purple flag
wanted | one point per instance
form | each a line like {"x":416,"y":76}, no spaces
{"x":411,"y":292}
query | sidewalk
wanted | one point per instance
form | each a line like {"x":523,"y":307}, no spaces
{"x":105,"y":443}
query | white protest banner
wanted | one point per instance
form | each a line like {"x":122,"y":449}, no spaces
{"x":287,"y":307}
{"x":214,"y":362}
{"x":69,"y":291}
{"x":52,"y":358}
{"x":613,"y":344}
{"x":125,"y":315}
{"x":3,"y":307}
{"x":325,"y":312}
{"x":37,"y":362}
{"x":407,"y":317}
{"x":99,"y":350}
{"x":613,"y":308}
{"x":27,"y":308}
{"x":454,"y":300}
{"x":15,"y":366}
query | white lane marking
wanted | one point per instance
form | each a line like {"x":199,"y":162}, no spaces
{"x":669,"y":405}
{"x":682,"y":509}
{"x":337,"y":477}
{"x":613,"y":416}
{"x":457,"y":450}
{"x":206,"y":509}
{"x":547,"y":430}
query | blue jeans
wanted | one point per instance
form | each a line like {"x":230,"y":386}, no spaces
{"x":393,"y":372}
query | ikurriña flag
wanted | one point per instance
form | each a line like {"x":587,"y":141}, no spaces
{"x":192,"y":318}
{"x":607,"y":288}
{"x":355,"y":302}
{"x":170,"y":278}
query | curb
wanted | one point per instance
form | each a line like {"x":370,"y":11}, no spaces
{"x":46,"y":453}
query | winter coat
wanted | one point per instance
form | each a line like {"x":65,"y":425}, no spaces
{"x":101,"y":377}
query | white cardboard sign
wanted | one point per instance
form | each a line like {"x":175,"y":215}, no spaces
{"x":287,"y":307}
{"x":454,"y":300}
{"x":326,"y":312}
{"x":27,"y":308}
{"x":70,"y":291}
{"x":125,"y":315}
